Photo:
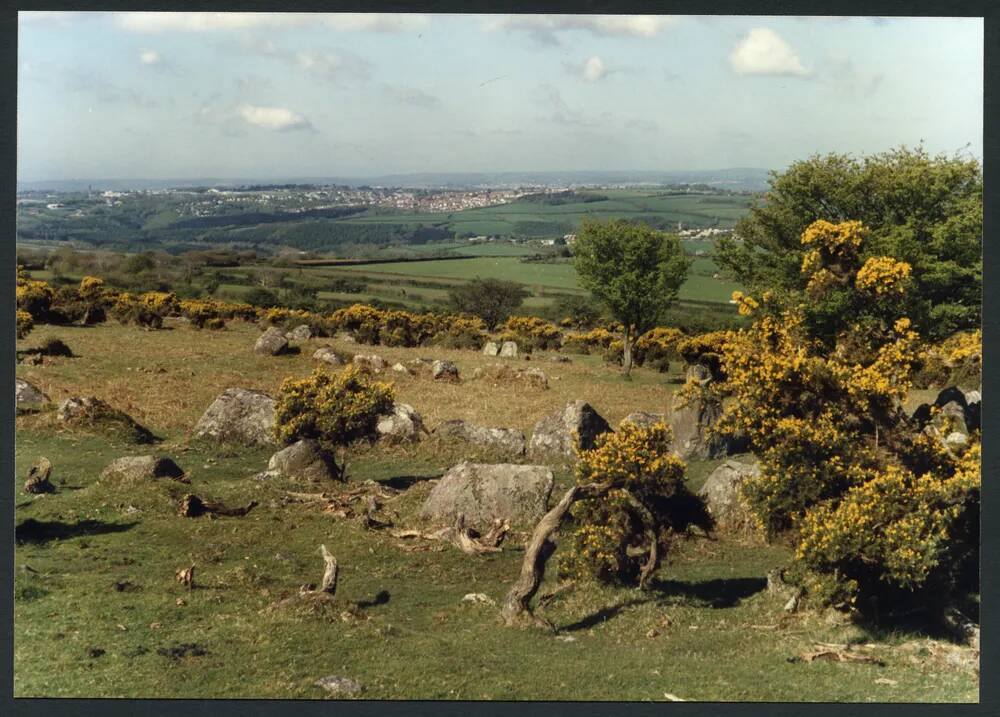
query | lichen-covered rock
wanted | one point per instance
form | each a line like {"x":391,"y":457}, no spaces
{"x":564,"y":431}
{"x":690,"y":425}
{"x":239,"y":416}
{"x":951,"y":412}
{"x":721,"y":493}
{"x":504,"y":440}
{"x":403,"y":424}
{"x":38,"y":478}
{"x":300,"y":333}
{"x":340,"y":685}
{"x":94,"y":414}
{"x":534,"y":377}
{"x":444,"y":371}
{"x":271,"y":343}
{"x":644,"y":419}
{"x":328,"y":355}
{"x":303,"y":460}
{"x":26,"y":394}
{"x":371,"y":363}
{"x":141,"y":468}
{"x":508,"y":350}
{"x":491,"y":348}
{"x":400,"y":368}
{"x":482,"y":492}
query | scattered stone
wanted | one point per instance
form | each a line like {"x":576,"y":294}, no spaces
{"x":239,"y":416}
{"x":508,"y":350}
{"x":25,"y":394}
{"x":142,"y":468}
{"x":481,"y":598}
{"x":566,"y":430}
{"x":400,"y":368}
{"x":954,"y":410}
{"x":506,"y":440}
{"x":482,"y":492}
{"x":559,"y":358}
{"x":31,"y":359}
{"x":328,"y":355}
{"x":93,"y":413}
{"x":38,"y":478}
{"x":644,"y":419}
{"x":271,"y":343}
{"x":371,"y":363}
{"x":491,"y":348}
{"x":444,"y":371}
{"x":403,"y":424}
{"x":339,"y":685}
{"x":303,"y":460}
{"x":723,"y":497}
{"x":300,"y":333}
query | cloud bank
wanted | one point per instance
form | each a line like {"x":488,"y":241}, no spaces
{"x":764,"y":52}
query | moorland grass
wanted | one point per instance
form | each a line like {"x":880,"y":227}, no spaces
{"x":98,"y":612}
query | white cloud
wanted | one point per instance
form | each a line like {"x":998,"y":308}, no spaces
{"x":544,"y":28}
{"x":278,"y":118}
{"x":764,"y":52}
{"x":224,"y":21}
{"x":593,"y":69}
{"x":149,"y":57}
{"x":331,"y":65}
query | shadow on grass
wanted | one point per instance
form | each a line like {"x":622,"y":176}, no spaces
{"x":381,"y":599}
{"x":405,"y":482}
{"x":37,"y":531}
{"x":719,"y":593}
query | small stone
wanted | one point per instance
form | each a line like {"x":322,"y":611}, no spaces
{"x":339,"y":685}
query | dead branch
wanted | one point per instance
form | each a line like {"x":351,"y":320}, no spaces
{"x":329,"y":584}
{"x":192,"y":507}
{"x":38,"y":477}
{"x":185,"y":577}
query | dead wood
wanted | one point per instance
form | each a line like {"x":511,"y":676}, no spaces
{"x":185,"y":577}
{"x":329,"y":584}
{"x":38,"y":477}
{"x":192,"y":507}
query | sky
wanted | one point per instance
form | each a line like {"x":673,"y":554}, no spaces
{"x":255,"y":95}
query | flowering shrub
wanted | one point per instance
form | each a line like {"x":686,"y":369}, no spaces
{"x":33,"y":297}
{"x":883,"y":275}
{"x":609,"y":531}
{"x":957,"y":361}
{"x":130,"y":309}
{"x":91,"y":287}
{"x":876,"y":509}
{"x":459,"y":331}
{"x":586,"y":342}
{"x":531,"y":332}
{"x":24,"y":323}
{"x":333,"y":409}
{"x":705,"y":349}
{"x":657,"y":347}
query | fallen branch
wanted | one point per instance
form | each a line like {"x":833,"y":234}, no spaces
{"x":329,"y":584}
{"x":192,"y":507}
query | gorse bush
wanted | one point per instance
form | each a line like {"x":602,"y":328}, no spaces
{"x":24,"y":323}
{"x":333,"y":409}
{"x":617,"y":536}
{"x":877,"y":509}
{"x":531,"y":333}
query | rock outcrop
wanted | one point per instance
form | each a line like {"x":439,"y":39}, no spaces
{"x":722,"y":496}
{"x":92,"y":413}
{"x":566,"y":430}
{"x":444,"y":371}
{"x":239,"y":416}
{"x":271,"y":343}
{"x":504,"y":440}
{"x":482,"y":492}
{"x":508,"y":350}
{"x":26,"y":394}
{"x":403,"y":424}
{"x":142,"y":468}
{"x":300,"y":333}
{"x":303,"y":460}
{"x":328,"y":355}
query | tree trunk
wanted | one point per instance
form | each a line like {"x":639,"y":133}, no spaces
{"x":627,"y":351}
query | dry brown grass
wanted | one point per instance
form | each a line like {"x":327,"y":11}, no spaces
{"x":166,"y":379}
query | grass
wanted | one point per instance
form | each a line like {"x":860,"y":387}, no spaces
{"x":96,"y":601}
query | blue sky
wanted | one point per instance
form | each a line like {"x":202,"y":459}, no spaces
{"x":179,"y":95}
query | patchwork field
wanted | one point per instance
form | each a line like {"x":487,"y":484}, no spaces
{"x":96,"y":602}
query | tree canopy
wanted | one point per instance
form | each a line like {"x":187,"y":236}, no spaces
{"x":924,"y":210}
{"x":492,"y":300}
{"x":634,"y":269}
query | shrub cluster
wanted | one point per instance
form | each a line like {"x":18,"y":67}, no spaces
{"x":333,"y":409}
{"x":531,"y":333}
{"x":650,"y":496}
{"x":876,"y":509}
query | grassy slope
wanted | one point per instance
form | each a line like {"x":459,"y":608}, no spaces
{"x":726,"y":639}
